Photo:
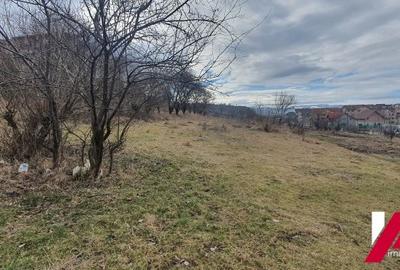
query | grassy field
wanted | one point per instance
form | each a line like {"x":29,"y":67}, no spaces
{"x":206,"y":193}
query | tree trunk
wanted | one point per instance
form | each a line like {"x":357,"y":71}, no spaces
{"x":96,"y":153}
{"x":56,"y":133}
{"x":56,"y":145}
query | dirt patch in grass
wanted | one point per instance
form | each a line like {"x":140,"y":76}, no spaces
{"x":299,"y":237}
{"x":363,"y":143}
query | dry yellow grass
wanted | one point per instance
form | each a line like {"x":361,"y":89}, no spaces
{"x":208,"y":193}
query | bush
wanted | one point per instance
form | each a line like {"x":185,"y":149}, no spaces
{"x":24,"y":140}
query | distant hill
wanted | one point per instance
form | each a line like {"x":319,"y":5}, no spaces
{"x":230,"y":111}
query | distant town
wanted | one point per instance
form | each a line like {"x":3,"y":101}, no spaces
{"x":351,"y":117}
{"x":354,"y":118}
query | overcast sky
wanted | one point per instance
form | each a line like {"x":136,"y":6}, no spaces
{"x":323,"y":51}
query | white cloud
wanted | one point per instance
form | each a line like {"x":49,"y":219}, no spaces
{"x":350,"y":47}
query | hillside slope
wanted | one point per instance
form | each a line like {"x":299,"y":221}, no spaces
{"x":207,"y":193}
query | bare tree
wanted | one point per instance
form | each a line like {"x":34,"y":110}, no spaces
{"x":259,"y":106}
{"x":181,"y":89}
{"x":260,"y":111}
{"x":283,"y":103}
{"x":389,"y":132}
{"x":41,"y":78}
{"x":126,"y":43}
